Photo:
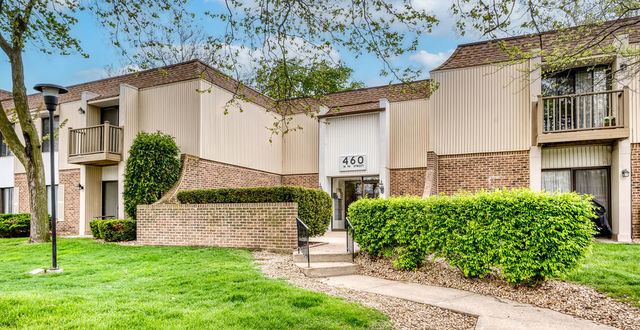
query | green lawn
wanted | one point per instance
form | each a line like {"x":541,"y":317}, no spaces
{"x":614,"y":269}
{"x":113,"y":286}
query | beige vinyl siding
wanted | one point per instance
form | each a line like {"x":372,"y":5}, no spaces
{"x":576,"y":156}
{"x":300,"y":148}
{"x":409,"y":140}
{"x":67,"y":112}
{"x":173,"y":109}
{"x":238,"y":138}
{"x":481,"y":109}
{"x":128,"y":113}
{"x":92,"y":194}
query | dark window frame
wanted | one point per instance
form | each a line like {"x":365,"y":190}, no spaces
{"x":573,"y":181}
{"x":45,"y":132}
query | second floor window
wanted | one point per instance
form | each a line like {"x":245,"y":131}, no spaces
{"x":45,"y":132}
{"x":590,"y":108}
{"x":4,"y":148}
{"x":577,"y":81}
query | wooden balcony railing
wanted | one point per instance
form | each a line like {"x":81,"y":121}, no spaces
{"x":575,"y":117}
{"x":96,"y":145}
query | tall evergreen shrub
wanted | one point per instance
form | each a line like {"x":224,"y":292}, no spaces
{"x":152,"y":168}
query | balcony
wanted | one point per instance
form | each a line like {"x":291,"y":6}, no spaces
{"x":582,"y":117}
{"x":96,"y":145}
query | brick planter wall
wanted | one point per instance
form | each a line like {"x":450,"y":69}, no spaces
{"x":198,"y":173}
{"x":472,"y":172}
{"x":270,"y":226}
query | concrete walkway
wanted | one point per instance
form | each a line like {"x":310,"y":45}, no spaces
{"x":492,"y":312}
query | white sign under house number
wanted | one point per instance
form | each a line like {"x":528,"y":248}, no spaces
{"x":353,"y":163}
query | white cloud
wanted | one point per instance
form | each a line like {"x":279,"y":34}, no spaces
{"x":430,"y":60}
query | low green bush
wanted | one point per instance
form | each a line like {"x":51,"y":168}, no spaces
{"x":15,"y":225}
{"x":116,"y":230}
{"x":95,"y":228}
{"x":528,"y":236}
{"x":314,"y":205}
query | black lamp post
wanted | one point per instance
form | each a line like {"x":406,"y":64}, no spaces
{"x":50,"y":93}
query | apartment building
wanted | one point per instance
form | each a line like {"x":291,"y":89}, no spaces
{"x":485,"y":127}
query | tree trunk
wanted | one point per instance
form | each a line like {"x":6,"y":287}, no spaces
{"x":32,"y":160}
{"x":40,"y":231}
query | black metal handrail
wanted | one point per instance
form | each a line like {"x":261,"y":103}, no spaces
{"x":350,"y":244}
{"x":303,"y":240}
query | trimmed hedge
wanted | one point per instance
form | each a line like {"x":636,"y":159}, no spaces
{"x":15,"y":225}
{"x":113,"y":230}
{"x":314,"y":205}
{"x":529,"y":236}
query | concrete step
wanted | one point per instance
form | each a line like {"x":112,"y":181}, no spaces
{"x":322,"y":257}
{"x":327,"y":269}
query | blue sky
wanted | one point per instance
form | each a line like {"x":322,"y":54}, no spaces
{"x":73,"y":69}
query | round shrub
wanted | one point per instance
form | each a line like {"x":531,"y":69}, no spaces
{"x":117,"y":230}
{"x":152,"y":168}
{"x":529,"y":236}
{"x":314,"y":205}
{"x":95,"y":228}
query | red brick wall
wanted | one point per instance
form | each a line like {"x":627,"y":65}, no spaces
{"x":301,"y":180}
{"x":270,"y":226}
{"x":635,"y":191}
{"x":407,"y":181}
{"x":70,"y":180}
{"x":472,"y":172}
{"x":20,"y":182}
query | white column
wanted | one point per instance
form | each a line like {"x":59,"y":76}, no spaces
{"x":535,"y":152}
{"x":383,"y":137}
{"x":535,"y":168}
{"x":83,"y":201}
{"x":323,"y":180}
{"x":621,"y":191}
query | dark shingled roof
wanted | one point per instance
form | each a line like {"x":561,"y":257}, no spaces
{"x":487,"y":52}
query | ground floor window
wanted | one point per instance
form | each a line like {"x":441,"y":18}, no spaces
{"x":592,"y":181}
{"x":109,"y":199}
{"x":49,"y":197}
{"x":6,"y":198}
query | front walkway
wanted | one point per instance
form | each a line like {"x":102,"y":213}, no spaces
{"x":492,"y":312}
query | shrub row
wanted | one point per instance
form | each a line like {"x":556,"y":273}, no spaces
{"x":15,"y":225}
{"x":528,"y":236}
{"x":113,"y":230}
{"x":314,"y":205}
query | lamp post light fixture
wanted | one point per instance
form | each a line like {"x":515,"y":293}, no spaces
{"x":50,"y":93}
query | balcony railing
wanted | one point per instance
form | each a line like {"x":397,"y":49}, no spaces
{"x":95,"y":145}
{"x":586,"y":116}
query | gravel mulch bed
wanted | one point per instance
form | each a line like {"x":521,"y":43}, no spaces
{"x":568,"y":298}
{"x":403,"y":314}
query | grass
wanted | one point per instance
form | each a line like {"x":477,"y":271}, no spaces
{"x":111,"y":286}
{"x":614,"y":269}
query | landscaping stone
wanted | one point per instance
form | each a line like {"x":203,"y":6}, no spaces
{"x":402,"y":313}
{"x":568,"y":298}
